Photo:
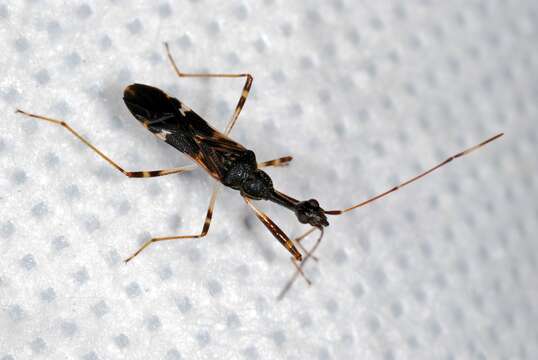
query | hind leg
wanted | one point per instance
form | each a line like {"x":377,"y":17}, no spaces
{"x":244,"y":94}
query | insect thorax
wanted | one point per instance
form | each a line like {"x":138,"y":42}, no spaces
{"x":242,"y":173}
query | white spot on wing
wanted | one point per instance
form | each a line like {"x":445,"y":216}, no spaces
{"x":184,"y":109}
{"x":162,"y":134}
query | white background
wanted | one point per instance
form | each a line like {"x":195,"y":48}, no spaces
{"x":362,"y":95}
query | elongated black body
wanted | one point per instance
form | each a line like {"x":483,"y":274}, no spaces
{"x":224,"y":159}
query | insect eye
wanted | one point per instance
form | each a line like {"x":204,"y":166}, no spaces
{"x":302,"y":217}
{"x":313,"y":203}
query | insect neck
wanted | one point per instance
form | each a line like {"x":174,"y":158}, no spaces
{"x":283,"y":199}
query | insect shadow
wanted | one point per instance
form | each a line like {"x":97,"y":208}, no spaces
{"x":227,"y":162}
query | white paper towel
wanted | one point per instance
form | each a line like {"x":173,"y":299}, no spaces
{"x":363,"y":95}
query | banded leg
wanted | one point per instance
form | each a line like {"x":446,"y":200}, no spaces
{"x":133,"y":174}
{"x":275,"y":230}
{"x":283,"y":161}
{"x":299,"y":267}
{"x":244,"y":93}
{"x":203,"y":233}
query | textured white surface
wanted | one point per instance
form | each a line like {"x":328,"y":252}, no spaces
{"x":363,"y":95}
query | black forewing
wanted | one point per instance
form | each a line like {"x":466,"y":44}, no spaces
{"x":149,"y":104}
{"x":217,"y":151}
{"x":178,"y":125}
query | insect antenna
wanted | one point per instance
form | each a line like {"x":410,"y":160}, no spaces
{"x":309,"y":254}
{"x":415,"y":178}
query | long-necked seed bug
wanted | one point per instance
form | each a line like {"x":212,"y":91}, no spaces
{"x":225,"y":160}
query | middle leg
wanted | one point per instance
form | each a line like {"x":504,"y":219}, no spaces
{"x":283,"y":161}
{"x":203,"y":233}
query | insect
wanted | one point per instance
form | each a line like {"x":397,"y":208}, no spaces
{"x":225,"y":160}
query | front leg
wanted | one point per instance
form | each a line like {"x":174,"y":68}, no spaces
{"x":275,"y":230}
